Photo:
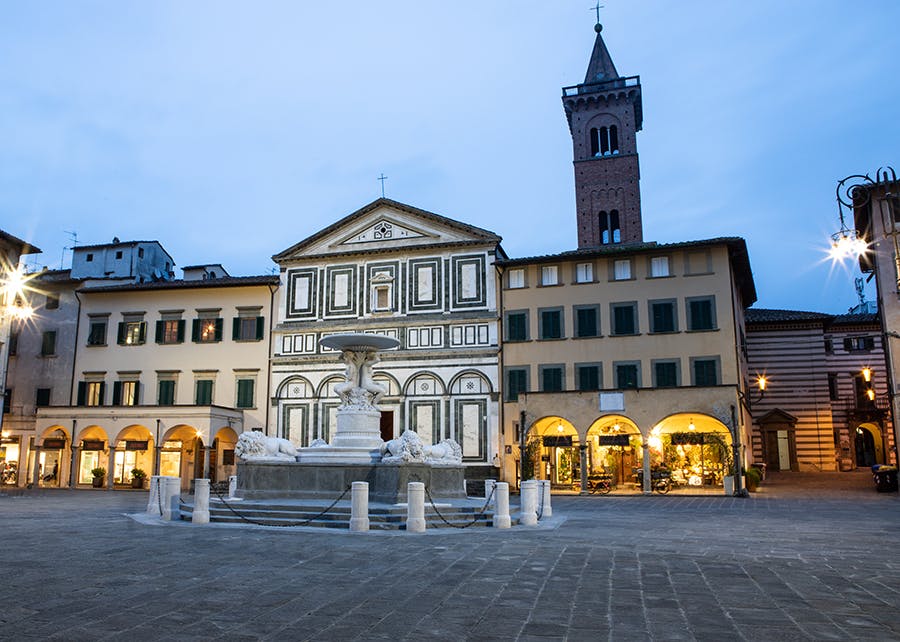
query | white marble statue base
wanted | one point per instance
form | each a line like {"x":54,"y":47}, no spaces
{"x":358,"y":428}
{"x":337,"y":455}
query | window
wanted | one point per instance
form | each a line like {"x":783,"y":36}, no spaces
{"x":833,"y":386}
{"x":627,"y":375}
{"x":13,"y":342}
{"x":550,"y":322}
{"x":166,"y":392}
{"x":42,"y":397}
{"x":588,"y":376}
{"x":517,"y":326}
{"x":245,"y":393}
{"x":587,"y":321}
{"x":858,"y":344}
{"x":169,"y":331}
{"x":584,"y":273}
{"x":608,"y":224}
{"x":140,"y":252}
{"x":7,"y":401}
{"x":829,"y":346}
{"x":665,"y":373}
{"x":516,"y":278}
{"x":203,"y":392}
{"x":551,"y":378}
{"x":604,"y":141}
{"x":52,"y":302}
{"x":516,"y":382}
{"x":622,"y":270}
{"x":247,"y":328}
{"x":89,"y":258}
{"x":132,"y":332}
{"x":706,"y":371}
{"x":118,"y":255}
{"x":624,"y":318}
{"x":206,"y":329}
{"x":701,"y":313}
{"x":659,"y":267}
{"x":48,"y":343}
{"x":125,"y":393}
{"x":91,"y":393}
{"x":549,"y":275}
{"x":97,"y":333}
{"x":662,"y":316}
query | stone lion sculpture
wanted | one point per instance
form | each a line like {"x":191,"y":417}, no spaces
{"x":254,"y":445}
{"x":408,"y":448}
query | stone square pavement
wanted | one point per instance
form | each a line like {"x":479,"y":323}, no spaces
{"x":806,"y":558}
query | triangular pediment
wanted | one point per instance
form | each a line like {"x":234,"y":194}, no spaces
{"x":777,"y":416}
{"x":386,"y":225}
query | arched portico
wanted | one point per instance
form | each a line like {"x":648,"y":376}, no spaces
{"x":49,"y":462}
{"x":180,"y":452}
{"x":614,"y":447}
{"x":221,"y":455}
{"x":92,"y":444}
{"x":132,"y":449}
{"x":695,"y":447}
{"x":552,"y":452}
{"x":868,"y":445}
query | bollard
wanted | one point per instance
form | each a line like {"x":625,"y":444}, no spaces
{"x":415,"y":507}
{"x":501,"y":497}
{"x":359,"y":506}
{"x":158,"y":495}
{"x":546,"y":510}
{"x":232,"y":486}
{"x":528,"y":491}
{"x":170,"y":491}
{"x":488,"y":487}
{"x":200,"y":514}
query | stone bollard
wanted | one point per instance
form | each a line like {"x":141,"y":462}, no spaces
{"x":162,"y":489}
{"x":545,"y":509}
{"x":501,"y":497}
{"x":415,"y":507}
{"x":359,"y":506}
{"x":232,"y":486}
{"x":528,"y":491}
{"x":488,"y":487}
{"x":200,"y":514}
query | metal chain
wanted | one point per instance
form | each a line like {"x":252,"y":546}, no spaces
{"x":159,"y":495}
{"x":541,"y":511}
{"x":305,"y":522}
{"x":477,"y":515}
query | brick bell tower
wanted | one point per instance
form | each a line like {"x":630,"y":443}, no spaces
{"x":604,"y":114}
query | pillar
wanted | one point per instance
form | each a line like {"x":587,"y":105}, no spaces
{"x":544,"y":499}
{"x":359,"y":506}
{"x":584,"y":468}
{"x":200,"y":514}
{"x":527,"y":503}
{"x":206,"y":462}
{"x":232,"y":486}
{"x":36,"y":468}
{"x":73,"y":467}
{"x":489,"y":485}
{"x":163,"y":491}
{"x":648,"y":482}
{"x":110,"y":467}
{"x":501,"y":513}
{"x":415,"y":507}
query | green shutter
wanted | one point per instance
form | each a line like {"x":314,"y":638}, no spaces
{"x":120,"y":339}
{"x":245,"y":393}
{"x":82,"y":393}
{"x":220,"y":323}
{"x":102,"y":396}
{"x":142,"y":333}
{"x":260,"y":328}
{"x":204,"y":392}
{"x":137,"y":393}
{"x":195,"y":331}
{"x":159,"y":331}
{"x":117,"y":393}
{"x":181,"y":331}
{"x":236,"y":328}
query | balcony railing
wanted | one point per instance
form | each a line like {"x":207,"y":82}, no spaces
{"x":591,"y":87}
{"x":854,"y":405}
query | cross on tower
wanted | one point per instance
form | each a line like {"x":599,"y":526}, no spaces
{"x":382,"y":178}
{"x":597,"y":9}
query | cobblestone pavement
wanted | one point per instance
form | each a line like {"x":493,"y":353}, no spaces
{"x":805,"y":558}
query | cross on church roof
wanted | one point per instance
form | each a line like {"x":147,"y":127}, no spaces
{"x":382,"y":178}
{"x":597,"y":9}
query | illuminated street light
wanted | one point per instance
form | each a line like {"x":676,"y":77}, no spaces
{"x":848,"y":243}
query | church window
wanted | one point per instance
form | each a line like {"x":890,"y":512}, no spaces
{"x":603,"y":220}
{"x":604,"y":141}
{"x":614,"y":139}
{"x":595,"y":142}
{"x":382,"y":291}
{"x":614,"y":226}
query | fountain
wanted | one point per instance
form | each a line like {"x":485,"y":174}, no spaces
{"x":270,"y":468}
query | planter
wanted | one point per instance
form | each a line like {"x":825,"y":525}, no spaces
{"x":137,"y":482}
{"x":97,"y":482}
{"x":728,"y":483}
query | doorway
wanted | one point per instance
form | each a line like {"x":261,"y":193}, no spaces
{"x":866,"y":455}
{"x":387,"y":425}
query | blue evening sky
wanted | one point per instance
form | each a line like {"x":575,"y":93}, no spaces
{"x":229,"y":131}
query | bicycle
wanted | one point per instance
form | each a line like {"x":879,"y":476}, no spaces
{"x":601,"y":484}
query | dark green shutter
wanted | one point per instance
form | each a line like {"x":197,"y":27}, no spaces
{"x":220,"y":323}
{"x":260,"y":328}
{"x":181,"y":331}
{"x":82,"y":393}
{"x":195,"y":331}
{"x":117,"y":393}
{"x":142,"y":333}
{"x":245,"y":393}
{"x":120,"y":339}
{"x":102,"y":396}
{"x":137,"y":393}
{"x":236,"y":328}
{"x":159,"y":331}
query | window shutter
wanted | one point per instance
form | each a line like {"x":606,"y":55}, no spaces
{"x":82,"y":393}
{"x":121,"y":336}
{"x":870,"y":343}
{"x":220,"y":323}
{"x":117,"y":393}
{"x":236,"y":328}
{"x":181,"y":331}
{"x":102,"y":395}
{"x":137,"y":393}
{"x":260,"y":328}
{"x":142,"y":333}
{"x":848,"y":344}
{"x":195,"y":331}
{"x":159,"y":331}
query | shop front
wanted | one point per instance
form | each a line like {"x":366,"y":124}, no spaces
{"x":695,"y":451}
{"x":614,"y":451}
{"x":10,"y":456}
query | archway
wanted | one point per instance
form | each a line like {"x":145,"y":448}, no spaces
{"x":869,"y":445}
{"x":53,"y":459}
{"x":222,"y":462}
{"x":614,"y":449}
{"x":93,"y":444}
{"x":694,"y":447}
{"x":552,"y":452}
{"x":180,"y":452}
{"x":134,"y":449}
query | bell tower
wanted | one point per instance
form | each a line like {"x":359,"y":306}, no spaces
{"x":604,"y":114}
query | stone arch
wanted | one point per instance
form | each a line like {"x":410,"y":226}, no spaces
{"x":695,"y":446}
{"x":295,"y":387}
{"x":424,"y":383}
{"x":461,"y":384}
{"x":613,"y":448}
{"x":52,"y":458}
{"x":326,"y":387}
{"x":131,"y":449}
{"x":180,"y":453}
{"x":389,"y":381}
{"x":552,"y":451}
{"x":869,"y":447}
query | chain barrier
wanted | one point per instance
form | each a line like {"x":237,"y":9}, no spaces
{"x":159,"y":495}
{"x":540,"y":512}
{"x":467,"y":524}
{"x":305,"y":522}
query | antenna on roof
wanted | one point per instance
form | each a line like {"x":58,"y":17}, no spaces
{"x":73,"y":236}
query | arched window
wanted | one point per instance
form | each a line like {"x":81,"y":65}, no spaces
{"x":604,"y":141}
{"x":604,"y":227}
{"x":595,"y":142}
{"x":614,"y":226}
{"x":614,"y":139}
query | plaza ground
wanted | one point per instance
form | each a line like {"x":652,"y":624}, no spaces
{"x":808,"y":557}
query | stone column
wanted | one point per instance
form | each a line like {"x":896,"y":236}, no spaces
{"x":544,"y":501}
{"x":73,"y":467}
{"x":648,"y":482}
{"x":36,"y":469}
{"x":501,"y":514}
{"x":359,"y":506}
{"x":584,"y":468}
{"x":200,"y":514}
{"x":110,"y":467}
{"x":527,"y":502}
{"x":206,"y":462}
{"x":162,"y":490}
{"x":232,"y":486}
{"x":171,"y":491}
{"x":488,"y":488}
{"x":415,"y":507}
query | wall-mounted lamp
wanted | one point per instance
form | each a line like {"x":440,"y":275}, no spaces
{"x":867,"y":374}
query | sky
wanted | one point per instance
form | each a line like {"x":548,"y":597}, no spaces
{"x":230,"y":131}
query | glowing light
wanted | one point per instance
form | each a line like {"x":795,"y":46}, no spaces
{"x":616,"y":427}
{"x":691,"y":425}
{"x":654,"y":442}
{"x":762,"y":382}
{"x":867,"y":374}
{"x":560,"y":427}
{"x":870,"y":393}
{"x":846,"y":244}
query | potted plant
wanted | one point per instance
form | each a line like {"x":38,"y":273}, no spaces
{"x":99,"y":474}
{"x":753,"y":477}
{"x":137,"y":478}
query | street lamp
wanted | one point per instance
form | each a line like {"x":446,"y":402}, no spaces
{"x":846,"y":242}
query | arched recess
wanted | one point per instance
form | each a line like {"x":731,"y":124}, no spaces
{"x":93,"y":452}
{"x":53,"y":459}
{"x":180,"y":452}
{"x":134,"y":450}
{"x":470,"y":382}
{"x":222,"y":460}
{"x":424,"y":383}
{"x":295,"y":398}
{"x":389,"y":382}
{"x":470,"y":407}
{"x":326,"y":408}
{"x":295,"y":387}
{"x":552,"y":452}
{"x":695,"y":447}
{"x":425,"y":407}
{"x":868,"y":445}
{"x":614,"y":448}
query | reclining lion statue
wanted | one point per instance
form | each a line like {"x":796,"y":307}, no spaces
{"x":409,"y":448}
{"x":254,"y":445}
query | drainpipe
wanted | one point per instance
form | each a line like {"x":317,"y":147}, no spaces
{"x":72,"y":382}
{"x":272,"y":291}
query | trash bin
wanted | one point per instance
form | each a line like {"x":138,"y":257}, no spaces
{"x":761,"y":467}
{"x":886,"y":479}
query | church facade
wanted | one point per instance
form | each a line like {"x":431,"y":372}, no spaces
{"x":418,"y":277}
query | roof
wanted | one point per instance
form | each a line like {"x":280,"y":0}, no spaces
{"x":601,"y":67}
{"x":855,"y":319}
{"x":24,"y":246}
{"x":763,"y":315}
{"x":486,"y":235}
{"x":180,"y":284}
